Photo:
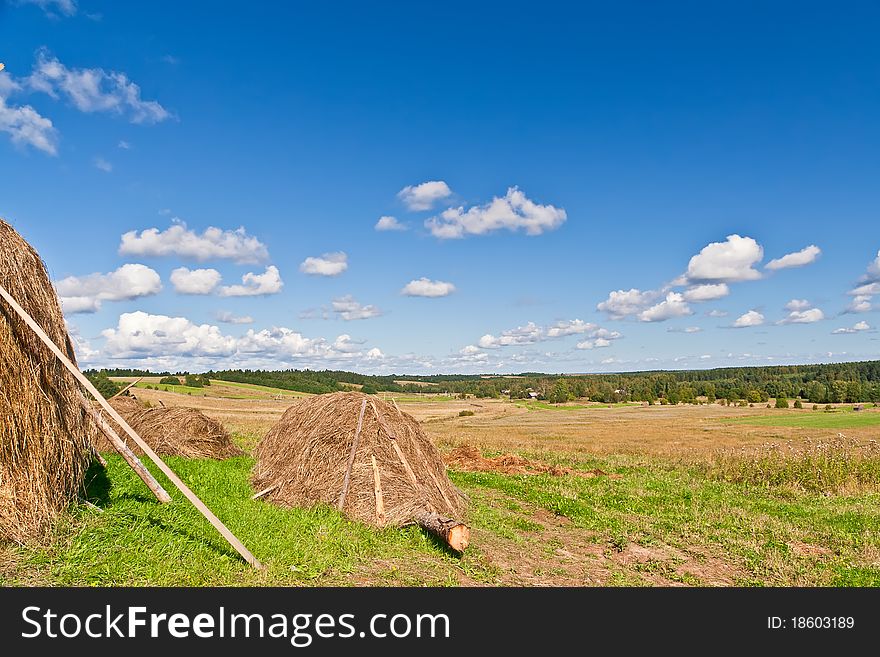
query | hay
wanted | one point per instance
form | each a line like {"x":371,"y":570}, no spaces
{"x":304,"y":457}
{"x":469,"y":459}
{"x":44,"y":433}
{"x":169,"y":431}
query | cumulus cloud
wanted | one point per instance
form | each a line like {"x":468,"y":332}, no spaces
{"x":706,"y":292}
{"x":140,"y":335}
{"x":864,"y":293}
{"x":514,"y":211}
{"x":348,"y":309}
{"x":805,"y":256}
{"x":227,"y":317}
{"x":858,"y":327}
{"x":94,"y":90}
{"x":686,"y":329}
{"x":82,"y":294}
{"x":673,"y":305}
{"x":798,"y":304}
{"x":861,"y":303}
{"x":24,"y":125}
{"x":425,"y":195}
{"x":329,"y":264}
{"x":726,"y":262}
{"x":623,"y":303}
{"x":425,"y":287}
{"x":803,"y":316}
{"x":195,"y":281}
{"x":751,"y":318}
{"x":532,"y":333}
{"x":521,"y":335}
{"x":212,"y":244}
{"x":598,"y":343}
{"x":253,"y":285}
{"x":717,"y":313}
{"x":570,"y":327}
{"x":389,"y":223}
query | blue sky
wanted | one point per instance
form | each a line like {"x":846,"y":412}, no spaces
{"x":574,"y":188}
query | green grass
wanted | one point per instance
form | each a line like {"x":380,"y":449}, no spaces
{"x":254,"y":386}
{"x":839,"y":419}
{"x":133,"y":540}
{"x":545,"y":406}
{"x":129,"y":539}
{"x":750,"y":527}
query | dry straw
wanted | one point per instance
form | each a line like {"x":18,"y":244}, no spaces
{"x":304,"y":458}
{"x":175,"y":431}
{"x":44,"y":432}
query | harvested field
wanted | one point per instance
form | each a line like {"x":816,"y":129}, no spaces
{"x":469,"y":459}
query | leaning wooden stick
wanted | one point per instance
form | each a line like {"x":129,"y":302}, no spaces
{"x":377,"y":491}
{"x":354,"y":446}
{"x":73,"y":369}
{"x":126,"y":388}
{"x":126,"y":453}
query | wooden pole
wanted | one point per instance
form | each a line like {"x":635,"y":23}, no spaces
{"x":377,"y":491}
{"x":73,"y":369}
{"x":354,"y":444}
{"x":126,"y":388}
{"x":397,"y":450}
{"x":457,"y":535}
{"x":129,"y":456}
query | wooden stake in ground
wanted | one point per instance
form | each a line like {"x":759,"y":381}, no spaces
{"x":457,"y":535}
{"x":129,"y":456}
{"x":73,"y":369}
{"x":377,"y":491}
{"x":354,"y":445}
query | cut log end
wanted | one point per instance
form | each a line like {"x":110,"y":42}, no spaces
{"x":455,"y":534}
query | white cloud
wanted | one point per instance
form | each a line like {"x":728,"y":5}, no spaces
{"x":598,"y":343}
{"x":860,"y":304}
{"x":751,"y":318}
{"x":707,"y":292}
{"x":348,"y":309}
{"x":424,"y":287}
{"x":874,"y":268}
{"x":425,"y":195}
{"x":803,"y":316}
{"x":868,"y":289}
{"x":24,"y":125}
{"x":687,"y":329}
{"x":729,"y":261}
{"x":269,"y":282}
{"x":858,"y":327}
{"x":521,"y":335}
{"x":124,"y":145}
{"x":571,"y":327}
{"x":53,"y":8}
{"x":798,"y":304}
{"x":95,"y":90}
{"x":103,"y":165}
{"x":139,"y":334}
{"x":227,"y":317}
{"x":85,"y":293}
{"x":805,"y":256}
{"x":717,"y":313}
{"x":195,"y":281}
{"x":673,"y":306}
{"x":389,"y":223}
{"x":329,"y":264}
{"x":212,"y":244}
{"x":622,"y":303}
{"x":512,"y":212}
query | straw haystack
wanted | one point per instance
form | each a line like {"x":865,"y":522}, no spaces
{"x":44,"y":432}
{"x":363,"y":456}
{"x":171,"y":431}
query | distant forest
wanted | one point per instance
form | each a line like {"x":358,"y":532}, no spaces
{"x":818,"y":384}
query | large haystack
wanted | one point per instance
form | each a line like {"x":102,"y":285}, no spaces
{"x":305,"y":456}
{"x":44,"y":432}
{"x":171,"y":431}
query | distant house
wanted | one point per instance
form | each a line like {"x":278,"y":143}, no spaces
{"x":505,"y":392}
{"x":533,"y":394}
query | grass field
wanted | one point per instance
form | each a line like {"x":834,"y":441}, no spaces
{"x":545,"y":406}
{"x":838,"y":419}
{"x":706,"y":496}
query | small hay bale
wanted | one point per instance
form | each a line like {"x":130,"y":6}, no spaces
{"x":44,"y":432}
{"x":304,"y":457}
{"x":172,"y":431}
